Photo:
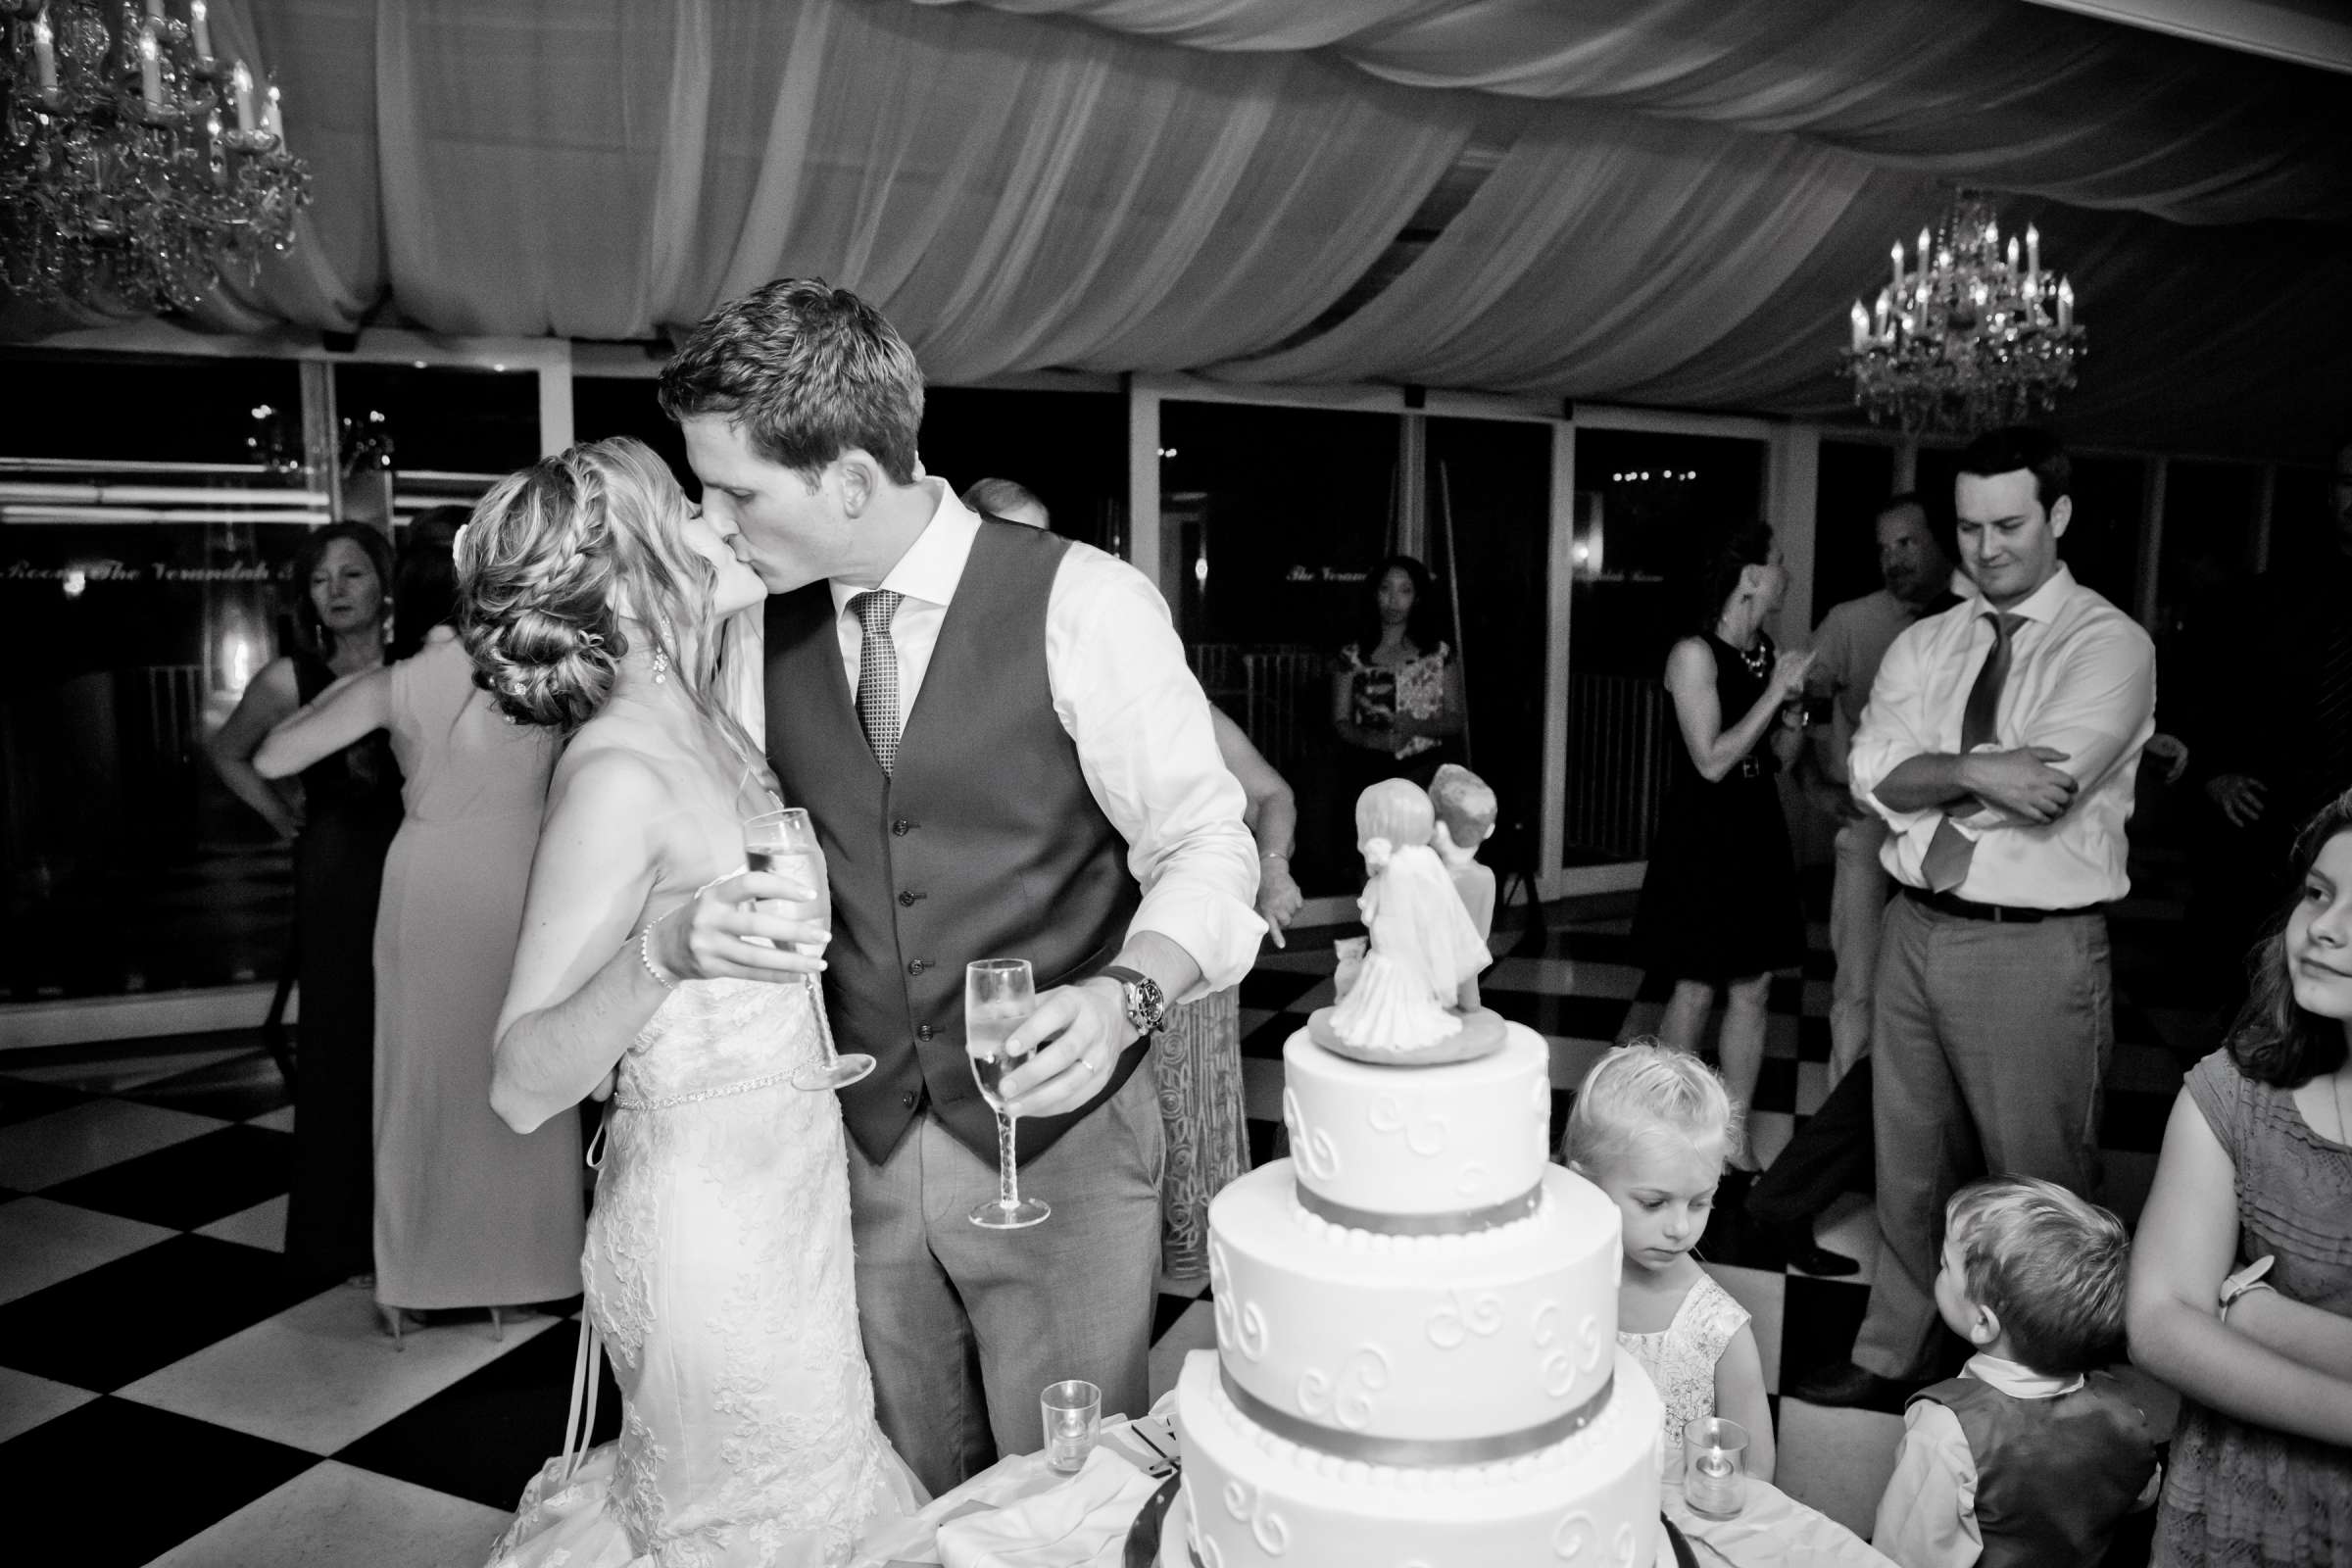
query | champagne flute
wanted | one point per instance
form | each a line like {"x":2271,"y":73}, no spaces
{"x":784,"y":843}
{"x":998,"y":995}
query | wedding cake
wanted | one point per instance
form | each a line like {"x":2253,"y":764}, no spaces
{"x":1416,"y":1361}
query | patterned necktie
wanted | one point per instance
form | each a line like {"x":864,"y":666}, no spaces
{"x":878,"y":674}
{"x":1946,"y":864}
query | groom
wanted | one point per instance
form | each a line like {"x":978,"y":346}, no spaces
{"x":1005,"y":756}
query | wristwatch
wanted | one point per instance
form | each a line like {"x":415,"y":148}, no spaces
{"x":1146,"y":1005}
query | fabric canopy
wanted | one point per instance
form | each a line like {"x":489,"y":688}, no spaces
{"x":1688,"y":196}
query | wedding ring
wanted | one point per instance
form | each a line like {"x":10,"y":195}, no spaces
{"x":1084,"y":1065}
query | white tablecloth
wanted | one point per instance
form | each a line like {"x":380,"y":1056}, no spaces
{"x":1774,"y":1531}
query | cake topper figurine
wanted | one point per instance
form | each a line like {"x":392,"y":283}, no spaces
{"x":1405,"y":1003}
{"x":1466,"y":811}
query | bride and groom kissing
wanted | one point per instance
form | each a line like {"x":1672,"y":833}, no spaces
{"x":1005,"y":755}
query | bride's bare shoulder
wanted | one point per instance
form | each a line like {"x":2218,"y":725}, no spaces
{"x":615,"y":762}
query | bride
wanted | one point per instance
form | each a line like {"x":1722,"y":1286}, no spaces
{"x":718,"y":1270}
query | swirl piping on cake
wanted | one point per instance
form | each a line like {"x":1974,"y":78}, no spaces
{"x":1347,"y":1400}
{"x":1419,"y":1453}
{"x":1559,"y":1369}
{"x":1314,"y":1150}
{"x":1450,"y":1325}
{"x":1450,"y":1222}
{"x":1574,"y":1535}
{"x":1247,"y":1505}
{"x":1426,"y":1137}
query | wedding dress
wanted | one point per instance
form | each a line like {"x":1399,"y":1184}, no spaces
{"x":718,"y":1278}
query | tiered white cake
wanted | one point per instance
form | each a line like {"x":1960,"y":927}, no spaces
{"x":1416,"y":1361}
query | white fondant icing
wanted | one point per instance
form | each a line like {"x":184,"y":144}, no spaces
{"x":1334,"y":1510}
{"x":1344,"y":1400}
{"x":1347,"y":1119}
{"x":1463,"y":1328}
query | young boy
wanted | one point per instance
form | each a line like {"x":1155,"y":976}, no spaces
{"x":2030,"y":1455}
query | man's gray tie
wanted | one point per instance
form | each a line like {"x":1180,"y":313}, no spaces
{"x":1946,"y":864}
{"x":878,"y":674}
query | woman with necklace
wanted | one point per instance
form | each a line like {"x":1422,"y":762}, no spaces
{"x":2241,"y":1273}
{"x":349,"y":813}
{"x":1396,"y":690}
{"x":1719,"y":906}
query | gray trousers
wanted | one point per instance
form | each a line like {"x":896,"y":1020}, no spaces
{"x":1989,"y":1047}
{"x":964,"y":1327}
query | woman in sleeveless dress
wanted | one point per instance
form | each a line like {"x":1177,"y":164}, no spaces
{"x":1719,"y":906}
{"x":468,"y":1213}
{"x":718,"y":1269}
{"x":350,"y":811}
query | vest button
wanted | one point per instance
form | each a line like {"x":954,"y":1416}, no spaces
{"x":901,"y":827}
{"x":917,"y":967}
{"x":907,"y":1100}
{"x":923,"y":1032}
{"x":905,"y":901}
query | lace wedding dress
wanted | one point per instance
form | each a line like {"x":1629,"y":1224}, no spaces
{"x":718,"y":1278}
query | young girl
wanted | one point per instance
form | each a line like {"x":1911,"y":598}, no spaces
{"x":1650,"y":1129}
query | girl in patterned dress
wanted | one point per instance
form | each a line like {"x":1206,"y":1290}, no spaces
{"x":1650,"y":1128}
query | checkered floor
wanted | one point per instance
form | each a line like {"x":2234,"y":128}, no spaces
{"x":168,"y":1378}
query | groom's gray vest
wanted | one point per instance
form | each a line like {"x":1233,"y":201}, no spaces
{"x":985,"y":842}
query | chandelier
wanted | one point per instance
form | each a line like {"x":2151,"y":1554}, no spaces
{"x":139,"y":167}
{"x":1971,"y":337}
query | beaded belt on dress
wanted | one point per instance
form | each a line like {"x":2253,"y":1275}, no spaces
{"x":668,"y":1101}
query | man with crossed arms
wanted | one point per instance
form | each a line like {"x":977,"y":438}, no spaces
{"x":2000,"y":744}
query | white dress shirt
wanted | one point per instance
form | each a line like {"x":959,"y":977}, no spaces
{"x":2081,"y":680}
{"x":1928,"y":1515}
{"x":1139,"y":718}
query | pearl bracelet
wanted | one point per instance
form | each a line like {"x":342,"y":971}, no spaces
{"x":645,"y":956}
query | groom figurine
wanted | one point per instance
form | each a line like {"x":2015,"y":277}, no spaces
{"x":1005,"y":756}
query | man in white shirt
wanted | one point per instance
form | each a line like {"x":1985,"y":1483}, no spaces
{"x":2000,"y":744}
{"x":1005,"y":756}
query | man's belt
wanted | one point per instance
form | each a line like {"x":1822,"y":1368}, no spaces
{"x":1999,"y":913}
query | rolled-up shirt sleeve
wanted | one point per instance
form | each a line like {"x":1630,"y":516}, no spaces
{"x":1895,"y":727}
{"x":2104,"y":704}
{"x":1928,"y":1515}
{"x":1146,"y":746}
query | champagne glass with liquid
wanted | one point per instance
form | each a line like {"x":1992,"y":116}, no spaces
{"x":998,"y":995}
{"x":784,"y":843}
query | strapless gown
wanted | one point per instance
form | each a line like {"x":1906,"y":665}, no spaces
{"x":719,"y":1277}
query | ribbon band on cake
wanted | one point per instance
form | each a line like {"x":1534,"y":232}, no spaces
{"x":1449,"y":1222}
{"x":1417,"y":1452}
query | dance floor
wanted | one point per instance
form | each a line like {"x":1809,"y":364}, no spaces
{"x":172,"y":1386}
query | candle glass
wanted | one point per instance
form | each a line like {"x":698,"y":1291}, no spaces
{"x":1073,"y":1420}
{"x":1715,"y":1467}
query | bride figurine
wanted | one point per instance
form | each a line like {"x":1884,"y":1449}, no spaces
{"x":1405,"y":1003}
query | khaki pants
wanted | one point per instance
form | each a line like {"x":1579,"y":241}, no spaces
{"x":1991,"y":1043}
{"x":964,"y":1327}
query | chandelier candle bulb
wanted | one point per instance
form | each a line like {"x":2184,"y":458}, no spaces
{"x":2034,"y":253}
{"x":151,"y":63}
{"x":242,"y":82}
{"x":44,"y":52}
{"x":1860,"y":322}
{"x":2013,"y":252}
{"x":201,"y":28}
{"x":154,"y":10}
{"x":2066,"y":305}
{"x":270,"y":122}
{"x":1897,"y":254}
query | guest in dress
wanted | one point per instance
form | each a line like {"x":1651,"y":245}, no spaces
{"x":2033,"y":1453}
{"x":1719,"y":908}
{"x":1197,"y":1060}
{"x":350,"y":810}
{"x":469,"y":1213}
{"x":1396,"y":690}
{"x":1650,"y":1128}
{"x":2241,"y":1281}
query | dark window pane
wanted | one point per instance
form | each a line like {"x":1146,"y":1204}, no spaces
{"x":604,"y":407}
{"x":1070,"y":448}
{"x":1855,"y":481}
{"x":123,"y":407}
{"x":443,"y":419}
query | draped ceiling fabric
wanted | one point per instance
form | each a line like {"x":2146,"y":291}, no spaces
{"x":1688,"y":196}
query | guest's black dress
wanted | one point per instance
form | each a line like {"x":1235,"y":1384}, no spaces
{"x":351,"y":810}
{"x":1719,"y":900}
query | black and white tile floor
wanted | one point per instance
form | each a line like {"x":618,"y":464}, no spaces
{"x":177,"y":1390}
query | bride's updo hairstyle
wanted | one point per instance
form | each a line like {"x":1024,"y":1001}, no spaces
{"x":554,"y":557}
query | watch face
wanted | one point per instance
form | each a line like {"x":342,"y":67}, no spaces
{"x":1148,"y":1005}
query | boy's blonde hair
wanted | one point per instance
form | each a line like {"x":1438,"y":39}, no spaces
{"x":1643,"y":1085}
{"x":2050,"y":1266}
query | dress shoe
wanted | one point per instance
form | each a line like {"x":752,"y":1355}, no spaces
{"x":1849,"y":1387}
{"x":1806,"y":1253}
